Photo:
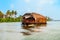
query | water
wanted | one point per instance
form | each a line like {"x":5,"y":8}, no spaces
{"x":14,"y":31}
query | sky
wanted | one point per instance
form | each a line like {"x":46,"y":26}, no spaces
{"x":50,"y":8}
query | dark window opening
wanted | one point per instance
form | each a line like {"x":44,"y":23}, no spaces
{"x":31,"y":18}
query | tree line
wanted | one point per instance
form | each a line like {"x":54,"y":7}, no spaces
{"x":49,"y":19}
{"x":8,"y":13}
{"x":9,"y":16}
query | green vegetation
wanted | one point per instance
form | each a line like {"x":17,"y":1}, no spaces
{"x":10,"y":16}
{"x":10,"y":20}
{"x":49,"y":19}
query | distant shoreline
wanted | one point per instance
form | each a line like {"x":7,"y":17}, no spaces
{"x":21,"y":21}
{"x":10,"y":22}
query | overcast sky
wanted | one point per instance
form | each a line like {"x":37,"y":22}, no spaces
{"x":49,"y":8}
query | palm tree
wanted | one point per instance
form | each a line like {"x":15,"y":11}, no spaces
{"x":11,"y":14}
{"x":1,"y":14}
{"x":15,"y":13}
{"x":8,"y":13}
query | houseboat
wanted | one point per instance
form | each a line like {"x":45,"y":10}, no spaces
{"x":33,"y":19}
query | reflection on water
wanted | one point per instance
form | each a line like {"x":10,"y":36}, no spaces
{"x":14,"y":31}
{"x":35,"y":28}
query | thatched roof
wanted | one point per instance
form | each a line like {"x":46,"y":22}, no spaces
{"x":37,"y":18}
{"x":37,"y":15}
